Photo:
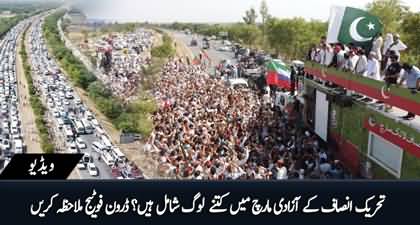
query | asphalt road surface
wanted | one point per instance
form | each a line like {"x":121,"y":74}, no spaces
{"x":215,"y":55}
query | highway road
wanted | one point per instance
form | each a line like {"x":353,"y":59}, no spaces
{"x":11,"y":130}
{"x":215,"y":55}
{"x":63,"y":105}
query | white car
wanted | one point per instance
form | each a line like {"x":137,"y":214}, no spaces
{"x":93,"y":171}
{"x":56,"y":114}
{"x":95,"y":122}
{"x":14,"y":130}
{"x":80,"y":143}
{"x":60,"y":123}
{"x":237,"y":82}
{"x":81,"y":166}
{"x":5,"y":144}
{"x":226,"y":43}
{"x":73,"y":147}
{"x":224,"y":48}
{"x":77,"y":101}
{"x":50,"y":103}
{"x":5,"y":124}
{"x":89,"y":115}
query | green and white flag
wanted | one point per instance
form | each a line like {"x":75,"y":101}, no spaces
{"x":352,"y":25}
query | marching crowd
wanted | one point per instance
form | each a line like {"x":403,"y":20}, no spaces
{"x":380,"y":62}
{"x":206,"y":130}
{"x":122,"y":58}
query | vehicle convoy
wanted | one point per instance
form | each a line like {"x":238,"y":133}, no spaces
{"x":193,"y":42}
{"x":206,"y":43}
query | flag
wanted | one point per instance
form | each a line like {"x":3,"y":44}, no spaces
{"x":196,"y":61}
{"x":278,"y":74}
{"x":206,"y":55}
{"x":352,"y":25}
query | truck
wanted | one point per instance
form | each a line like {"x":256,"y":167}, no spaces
{"x":89,"y":129}
{"x":193,"y":42}
{"x":78,"y":125}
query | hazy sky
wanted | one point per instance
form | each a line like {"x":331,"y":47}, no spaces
{"x":214,"y":10}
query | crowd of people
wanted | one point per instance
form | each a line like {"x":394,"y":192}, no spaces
{"x":122,"y":58}
{"x":379,"y":62}
{"x":206,"y":130}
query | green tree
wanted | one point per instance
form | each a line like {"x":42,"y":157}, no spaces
{"x":391,"y":13}
{"x":410,"y":28}
{"x":244,"y":33}
{"x":264,"y":17}
{"x":97,"y":89}
{"x":250,"y":16}
{"x":292,"y":37}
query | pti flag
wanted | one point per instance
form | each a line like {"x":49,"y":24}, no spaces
{"x":351,"y":25}
{"x":278,"y":74}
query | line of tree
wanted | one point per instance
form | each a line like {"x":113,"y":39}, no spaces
{"x":20,"y":11}
{"x":133,"y":117}
{"x":397,"y":18}
{"x":39,"y":110}
{"x":16,"y":7}
{"x":7,"y":23}
{"x":293,"y":37}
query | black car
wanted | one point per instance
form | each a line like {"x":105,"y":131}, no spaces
{"x":193,"y":42}
{"x":206,"y":45}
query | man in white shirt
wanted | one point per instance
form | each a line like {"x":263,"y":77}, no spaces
{"x":373,"y":67}
{"x":340,"y":57}
{"x":412,"y":77}
{"x":397,"y":46}
{"x":361,"y":65}
{"x":281,"y":171}
{"x":351,"y":61}
{"x":326,"y":55}
{"x":377,"y":46}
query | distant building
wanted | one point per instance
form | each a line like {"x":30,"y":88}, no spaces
{"x":76,"y":17}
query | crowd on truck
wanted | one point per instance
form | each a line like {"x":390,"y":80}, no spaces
{"x":381,"y":62}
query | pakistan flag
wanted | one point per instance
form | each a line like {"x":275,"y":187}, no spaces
{"x":351,"y":25}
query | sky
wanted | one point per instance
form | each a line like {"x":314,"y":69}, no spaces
{"x":212,"y":10}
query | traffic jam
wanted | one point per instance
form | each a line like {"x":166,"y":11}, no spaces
{"x":11,"y":138}
{"x":75,"y":127}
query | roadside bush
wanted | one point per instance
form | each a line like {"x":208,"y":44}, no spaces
{"x":165,"y":50}
{"x":72,"y":65}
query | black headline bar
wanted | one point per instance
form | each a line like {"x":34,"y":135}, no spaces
{"x":173,"y":202}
